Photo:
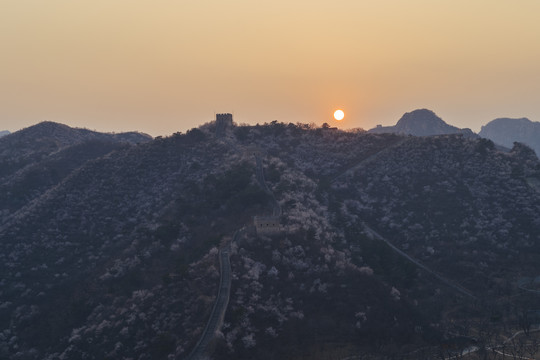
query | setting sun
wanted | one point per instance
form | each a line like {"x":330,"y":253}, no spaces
{"x":339,"y":115}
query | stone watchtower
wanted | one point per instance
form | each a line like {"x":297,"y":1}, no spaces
{"x":266,"y":225}
{"x":224,"y":118}
{"x":223,"y":121}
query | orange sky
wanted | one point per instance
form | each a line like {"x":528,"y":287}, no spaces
{"x":163,"y":66}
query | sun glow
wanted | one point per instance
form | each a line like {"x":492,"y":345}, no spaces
{"x":339,"y":115}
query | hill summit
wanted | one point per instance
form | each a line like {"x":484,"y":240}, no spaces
{"x":421,"y":122}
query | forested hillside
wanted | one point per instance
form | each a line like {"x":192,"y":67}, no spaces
{"x":111,"y":250}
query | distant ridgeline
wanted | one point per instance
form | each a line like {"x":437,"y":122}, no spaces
{"x":502,"y":131}
{"x":4,"y":133}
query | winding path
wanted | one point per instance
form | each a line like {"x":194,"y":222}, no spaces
{"x":276,"y":211}
{"x":203,"y":347}
{"x":522,"y":286}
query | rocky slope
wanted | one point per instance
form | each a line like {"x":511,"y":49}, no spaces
{"x":506,"y":131}
{"x":120,"y":258}
{"x":421,"y":122}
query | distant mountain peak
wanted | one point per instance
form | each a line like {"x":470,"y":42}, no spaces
{"x":422,"y":122}
{"x":4,"y":133}
{"x":420,"y":117}
{"x":506,"y":131}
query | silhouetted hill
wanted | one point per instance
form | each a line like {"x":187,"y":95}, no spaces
{"x":4,"y":133}
{"x":39,"y":141}
{"x":422,"y":122}
{"x":119,"y":259}
{"x":60,"y":135}
{"x":506,"y":131}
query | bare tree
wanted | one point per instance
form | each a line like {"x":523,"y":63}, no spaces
{"x":525,"y":322}
{"x":533,"y":345}
{"x":517,"y":348}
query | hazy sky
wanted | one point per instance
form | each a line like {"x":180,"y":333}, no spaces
{"x":163,"y":66}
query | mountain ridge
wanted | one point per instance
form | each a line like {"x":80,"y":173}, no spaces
{"x":45,"y":138}
{"x":120,"y":258}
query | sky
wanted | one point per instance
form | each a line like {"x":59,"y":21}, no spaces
{"x":164,"y":66}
